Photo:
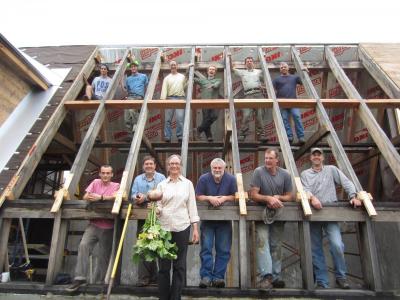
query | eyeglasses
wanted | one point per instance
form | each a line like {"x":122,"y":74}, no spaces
{"x":174,"y":163}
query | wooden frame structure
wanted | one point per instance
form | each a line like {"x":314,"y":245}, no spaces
{"x":62,"y":211}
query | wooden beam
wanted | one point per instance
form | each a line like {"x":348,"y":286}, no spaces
{"x":5,"y":232}
{"x":66,"y":142}
{"x":30,"y":162}
{"x":282,"y":137}
{"x":131,"y":161}
{"x":243,"y":280}
{"x":224,"y":103}
{"x":312,"y":140}
{"x":333,"y":139}
{"x":69,"y":188}
{"x":228,"y":134}
{"x":186,"y":124}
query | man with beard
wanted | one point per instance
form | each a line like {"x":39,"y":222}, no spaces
{"x":215,"y":187}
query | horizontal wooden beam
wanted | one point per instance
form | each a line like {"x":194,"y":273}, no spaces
{"x":239,"y":103}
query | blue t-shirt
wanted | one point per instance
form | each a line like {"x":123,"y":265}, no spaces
{"x":285,"y":86}
{"x":136,"y":84}
{"x":208,"y":187}
{"x":142,"y":185}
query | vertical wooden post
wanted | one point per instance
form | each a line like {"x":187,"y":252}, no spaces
{"x":5,"y":232}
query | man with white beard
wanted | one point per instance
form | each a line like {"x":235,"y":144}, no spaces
{"x":215,"y":187}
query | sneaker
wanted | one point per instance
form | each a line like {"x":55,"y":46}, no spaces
{"x":278,"y":284}
{"x":302,"y":141}
{"x":265,"y":283}
{"x":205,"y":283}
{"x":218,"y":283}
{"x":342,"y":283}
{"x":75,"y":285}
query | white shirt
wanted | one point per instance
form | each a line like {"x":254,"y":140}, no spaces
{"x":173,"y":85}
{"x":177,"y":207}
{"x":250,"y":79}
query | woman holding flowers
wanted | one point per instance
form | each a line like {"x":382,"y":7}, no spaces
{"x":177,"y":211}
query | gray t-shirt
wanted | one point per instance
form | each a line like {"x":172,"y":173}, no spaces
{"x":100,"y":85}
{"x":278,"y":184}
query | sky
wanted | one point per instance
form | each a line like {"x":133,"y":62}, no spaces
{"x":118,"y":22}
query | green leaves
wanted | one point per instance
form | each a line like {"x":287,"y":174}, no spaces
{"x":154,"y":242}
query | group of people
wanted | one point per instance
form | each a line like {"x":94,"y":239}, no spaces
{"x":271,"y":186}
{"x":174,"y":86}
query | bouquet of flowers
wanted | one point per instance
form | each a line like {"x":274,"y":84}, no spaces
{"x":153,"y":241}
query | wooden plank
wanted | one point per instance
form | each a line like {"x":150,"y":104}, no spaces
{"x":312,"y":140}
{"x":228,"y":134}
{"x":305,"y":255}
{"x":243,"y":279}
{"x":186,"y":124}
{"x":5,"y":232}
{"x":131,"y":160}
{"x":56,"y":247}
{"x":69,"y":188}
{"x":378,"y":135}
{"x":30,"y":162}
{"x":224,"y":103}
{"x":234,"y":139}
{"x":333,"y":139}
{"x":282,"y":137}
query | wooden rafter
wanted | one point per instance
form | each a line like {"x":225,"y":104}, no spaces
{"x":135,"y":144}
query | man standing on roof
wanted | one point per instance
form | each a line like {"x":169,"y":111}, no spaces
{"x":99,"y":231}
{"x":270,"y":186}
{"x":143,"y":183}
{"x":209,"y":88}
{"x":285,"y":88}
{"x":135,"y":85}
{"x":215,"y":187}
{"x":99,"y":86}
{"x":319,"y":182}
{"x":251,"y":81}
{"x":173,"y":87}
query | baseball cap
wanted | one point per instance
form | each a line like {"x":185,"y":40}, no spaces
{"x":316,"y":149}
{"x":135,"y":62}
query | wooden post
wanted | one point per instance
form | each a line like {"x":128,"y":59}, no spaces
{"x":282,"y":136}
{"x":68,"y":190}
{"x":131,"y":161}
{"x":238,"y":173}
{"x":305,"y":255}
{"x":186,"y":124}
{"x":5,"y":232}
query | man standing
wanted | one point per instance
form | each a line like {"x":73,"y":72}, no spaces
{"x":98,"y":231}
{"x":319,"y":182}
{"x":215,"y":187}
{"x":285,"y":87}
{"x":142,"y":184}
{"x":174,"y":88}
{"x":251,"y":81}
{"x":209,"y":90}
{"x":135,"y":85}
{"x":99,"y":86}
{"x":270,"y":186}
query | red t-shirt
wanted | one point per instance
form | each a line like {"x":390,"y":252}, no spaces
{"x":98,"y":187}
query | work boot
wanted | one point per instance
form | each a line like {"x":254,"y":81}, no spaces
{"x":302,"y":141}
{"x":218,"y":283}
{"x":205,"y":283}
{"x":342,"y":283}
{"x":265,"y":283}
{"x":75,"y":285}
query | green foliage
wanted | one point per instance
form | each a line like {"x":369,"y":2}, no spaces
{"x":154,"y":242}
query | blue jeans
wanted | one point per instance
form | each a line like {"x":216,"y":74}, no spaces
{"x":179,"y":117}
{"x":221,"y":232}
{"x":336,"y":247}
{"x":295,"y":113}
{"x":269,"y":249}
